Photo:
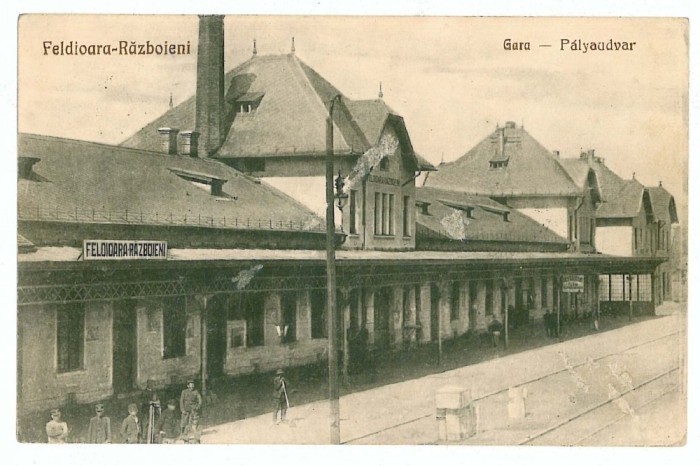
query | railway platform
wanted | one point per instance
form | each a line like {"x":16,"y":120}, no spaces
{"x":576,"y":390}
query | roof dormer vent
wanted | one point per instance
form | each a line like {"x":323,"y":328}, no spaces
{"x":423,"y":206}
{"x":25,"y":168}
{"x":203,"y":181}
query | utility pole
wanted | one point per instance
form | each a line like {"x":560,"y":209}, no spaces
{"x":439,"y":331}
{"x":333,"y":392}
{"x":629,"y":280}
{"x":505,"y":319}
{"x":559,"y":285}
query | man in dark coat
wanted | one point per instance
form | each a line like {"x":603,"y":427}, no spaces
{"x":495,"y":328}
{"x":130,"y":425}
{"x":279,"y":396}
{"x":169,"y":425}
{"x":548,"y":323}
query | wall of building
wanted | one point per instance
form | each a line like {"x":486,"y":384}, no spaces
{"x":42,"y":387}
{"x":151,"y":365}
{"x":275,"y":353}
{"x":396,"y":180}
{"x":614,"y":240}
{"x":555,"y":218}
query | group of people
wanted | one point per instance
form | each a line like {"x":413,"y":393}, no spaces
{"x":164,"y":426}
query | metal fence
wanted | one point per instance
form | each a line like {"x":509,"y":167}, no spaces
{"x":131,"y":217}
{"x":511,"y":236}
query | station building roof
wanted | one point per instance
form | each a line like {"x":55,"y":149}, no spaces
{"x":288,"y":116}
{"x":468,"y":217}
{"x":90,"y":182}
{"x":507,"y":163}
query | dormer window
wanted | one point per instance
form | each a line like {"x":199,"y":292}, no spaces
{"x":423,"y":207}
{"x":209,"y":183}
{"x":498,"y":163}
{"x":466,"y":208}
{"x":505,"y":213}
{"x":25,"y":169}
{"x":248,"y":102}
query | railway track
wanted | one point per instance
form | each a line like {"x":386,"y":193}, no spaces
{"x":567,"y":429}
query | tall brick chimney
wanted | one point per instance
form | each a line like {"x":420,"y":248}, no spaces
{"x":210,"y":85}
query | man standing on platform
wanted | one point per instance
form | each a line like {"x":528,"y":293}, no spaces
{"x":280,"y":396}
{"x":190,"y":403}
{"x":100,"y":428}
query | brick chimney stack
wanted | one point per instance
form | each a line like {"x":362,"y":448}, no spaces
{"x":210,"y":85}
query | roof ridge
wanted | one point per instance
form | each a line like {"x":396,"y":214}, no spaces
{"x":307,"y":81}
{"x":301,"y":66}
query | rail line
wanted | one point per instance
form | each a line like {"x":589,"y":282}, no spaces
{"x":536,"y":379}
{"x":621,"y":417}
{"x":599,"y":406}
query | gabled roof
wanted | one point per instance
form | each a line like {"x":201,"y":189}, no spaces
{"x":486,"y":220}
{"x":621,"y":198}
{"x":663,"y":204}
{"x":531,"y":170}
{"x":583,"y":175}
{"x":577,"y":170}
{"x":82,"y":176}
{"x":290,"y":118}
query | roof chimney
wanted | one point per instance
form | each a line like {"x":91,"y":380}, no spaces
{"x":169,"y":139}
{"x":188,"y":143}
{"x":510,"y":124}
{"x":502,"y":139}
{"x":210,"y":84}
{"x":590,"y":156}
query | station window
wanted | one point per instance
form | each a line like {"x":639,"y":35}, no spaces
{"x":70,"y":338}
{"x":489,"y":297}
{"x":472,"y":293}
{"x":406,"y":219}
{"x":353,"y":212}
{"x":249,"y":307}
{"x":383,"y":214}
{"x":455,"y":291}
{"x":543,"y":292}
{"x":318,"y":314}
{"x":174,"y":327}
{"x":289,"y":315}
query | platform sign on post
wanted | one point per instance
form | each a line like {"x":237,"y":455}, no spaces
{"x":572,"y":284}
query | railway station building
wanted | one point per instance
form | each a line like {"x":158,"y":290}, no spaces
{"x":242,"y":286}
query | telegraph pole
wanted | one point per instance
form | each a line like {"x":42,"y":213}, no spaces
{"x":333,"y":392}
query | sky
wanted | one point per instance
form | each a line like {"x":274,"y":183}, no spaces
{"x":449,"y":77}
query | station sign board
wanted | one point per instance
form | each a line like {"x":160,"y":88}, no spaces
{"x":113,"y":249}
{"x":572,"y":283}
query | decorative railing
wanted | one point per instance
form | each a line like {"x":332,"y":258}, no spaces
{"x":511,"y":236}
{"x":138,"y":217}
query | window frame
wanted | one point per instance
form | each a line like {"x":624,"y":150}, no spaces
{"x":70,"y":308}
{"x":455,"y":300}
{"x":166,"y":309}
